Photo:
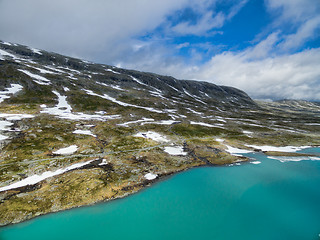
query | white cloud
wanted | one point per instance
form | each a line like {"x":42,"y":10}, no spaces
{"x":295,"y":76}
{"x":81,"y":27}
{"x":300,"y":16}
{"x":209,"y":21}
{"x":294,"y":10}
{"x":305,"y":32}
{"x":205,"y":24}
{"x":262,"y":49}
{"x":261,"y":74}
{"x":107,"y":31}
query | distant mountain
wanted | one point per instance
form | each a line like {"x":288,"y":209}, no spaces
{"x":40,"y":71}
{"x":74,"y":133}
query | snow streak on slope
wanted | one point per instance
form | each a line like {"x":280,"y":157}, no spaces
{"x":38,"y":178}
{"x":105,"y":96}
{"x":64,"y":110}
{"x":36,"y":78}
{"x":11,"y":90}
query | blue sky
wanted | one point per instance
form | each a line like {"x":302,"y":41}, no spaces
{"x":268,"y":48}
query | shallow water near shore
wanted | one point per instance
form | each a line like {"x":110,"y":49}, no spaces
{"x":271,"y":200}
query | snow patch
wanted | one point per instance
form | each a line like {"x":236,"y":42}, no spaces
{"x":194,"y":97}
{"x":110,"y":70}
{"x":234,"y":151}
{"x":278,"y":149}
{"x":43,"y":71}
{"x":137,"y":121}
{"x":38,"y":178}
{"x":150,"y":176}
{"x":152,"y":135}
{"x":138,"y":81}
{"x":117,"y":87}
{"x":15,"y":117}
{"x":204,"y":124}
{"x":36,"y":78}
{"x":193,"y":111}
{"x":5,"y":53}
{"x":6,"y":43}
{"x":66,"y":151}
{"x":10,"y":90}
{"x":166,"y":122}
{"x":247,"y":132}
{"x":84,"y":132}
{"x":105,"y":96}
{"x":175,"y":150}
{"x":4,"y":125}
{"x":294,"y":159}
{"x":64,"y":110}
{"x":37,"y":51}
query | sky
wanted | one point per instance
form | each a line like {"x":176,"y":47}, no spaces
{"x":268,"y":48}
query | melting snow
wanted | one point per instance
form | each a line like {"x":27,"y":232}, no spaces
{"x":63,"y":110}
{"x":103,"y":162}
{"x":193,"y":111}
{"x":37,"y":51}
{"x":67,"y":151}
{"x":150,"y":176}
{"x":117,"y":87}
{"x":221,"y":119}
{"x":138,"y":81}
{"x":3,"y":137}
{"x":10,"y":90}
{"x":279,"y":149}
{"x":149,"y":121}
{"x":110,"y":70}
{"x":6,"y":43}
{"x":38,"y":178}
{"x":152,"y":135}
{"x":294,"y":159}
{"x":55,"y":69}
{"x":247,"y":132}
{"x":194,"y":97}
{"x":39,"y":79}
{"x":138,"y":121}
{"x":15,"y":117}
{"x":5,"y":53}
{"x":105,"y":96}
{"x":176,"y":150}
{"x":43,"y":71}
{"x":85,"y":132}
{"x":165,"y":122}
{"x":205,"y":124}
{"x":4,"y":125}
{"x":234,"y":151}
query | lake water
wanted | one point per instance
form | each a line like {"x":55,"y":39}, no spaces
{"x":272,"y":200}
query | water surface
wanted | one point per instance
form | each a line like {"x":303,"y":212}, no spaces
{"x":271,"y":200}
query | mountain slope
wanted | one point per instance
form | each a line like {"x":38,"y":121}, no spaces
{"x":74,"y":133}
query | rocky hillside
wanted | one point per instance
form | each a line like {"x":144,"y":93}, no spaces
{"x":74,"y":133}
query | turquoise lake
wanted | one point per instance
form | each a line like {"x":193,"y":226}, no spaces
{"x":272,"y":200}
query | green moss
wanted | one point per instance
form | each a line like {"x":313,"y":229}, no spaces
{"x":40,"y":95}
{"x":188,"y":130}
